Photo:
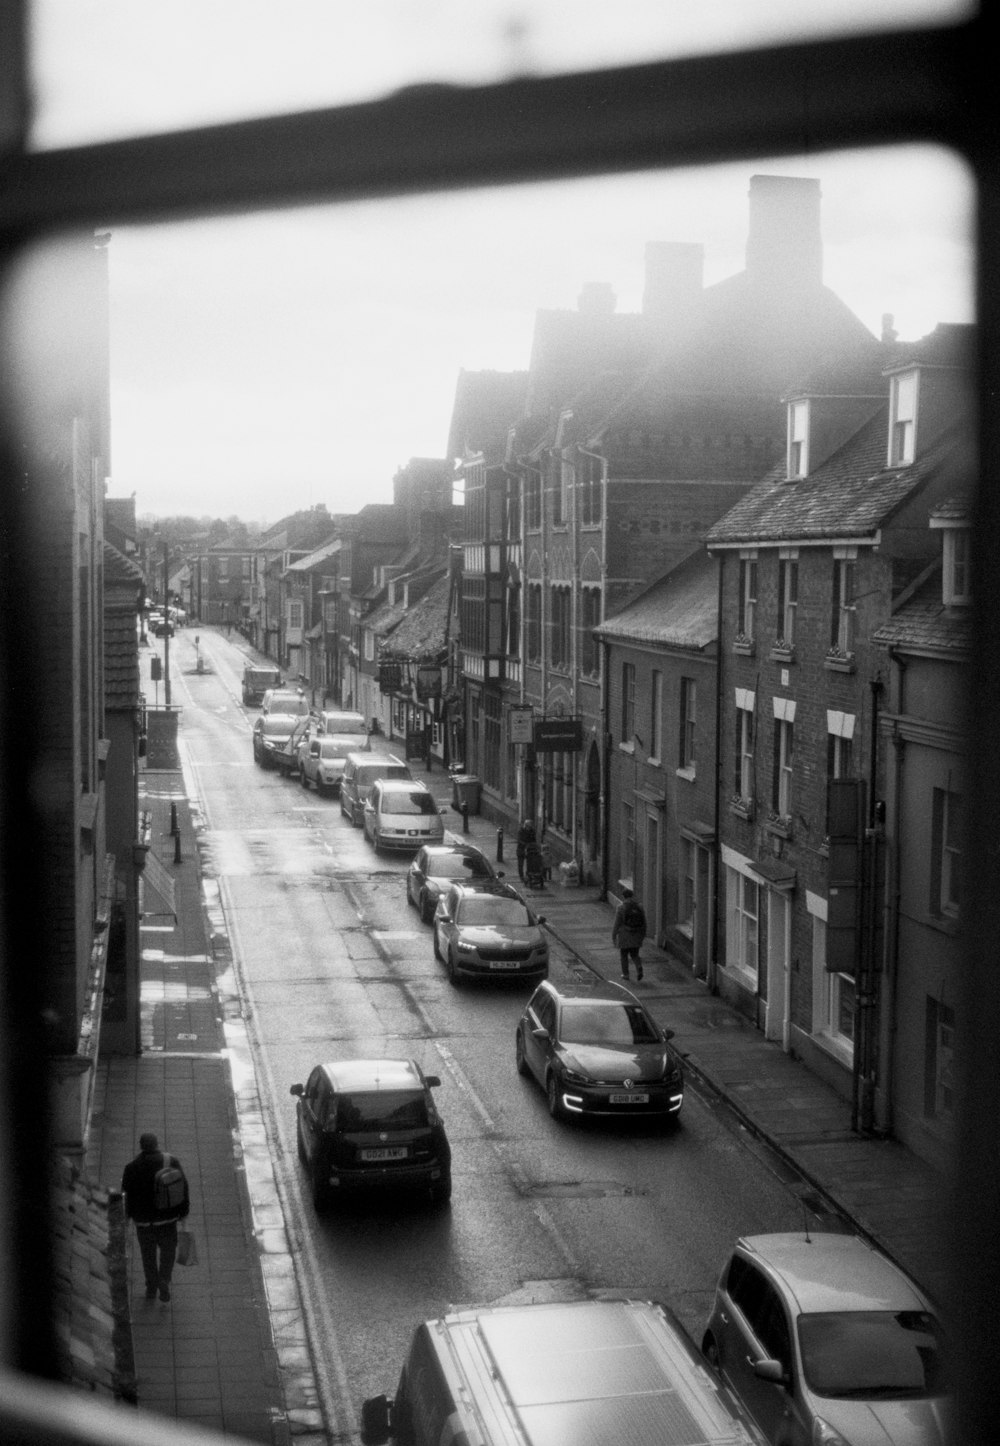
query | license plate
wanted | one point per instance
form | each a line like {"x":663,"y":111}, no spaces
{"x":392,"y":1152}
{"x":629,"y":1099}
{"x":503,"y":963}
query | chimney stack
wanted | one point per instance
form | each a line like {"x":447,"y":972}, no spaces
{"x":784,"y":244}
{"x":674,"y":278}
{"x":597,"y":299}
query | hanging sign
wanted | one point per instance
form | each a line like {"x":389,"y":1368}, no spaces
{"x":521,"y":717}
{"x":558,"y":735}
{"x":390,"y":677}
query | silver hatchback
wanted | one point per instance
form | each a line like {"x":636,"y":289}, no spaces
{"x":824,"y":1340}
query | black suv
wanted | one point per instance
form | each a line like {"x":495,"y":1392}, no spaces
{"x":371,"y":1124}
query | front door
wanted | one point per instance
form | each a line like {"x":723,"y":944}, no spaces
{"x":777,"y":1009}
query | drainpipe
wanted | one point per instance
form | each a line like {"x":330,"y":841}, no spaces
{"x":713,"y":943}
{"x":891,"y":906}
{"x":605,"y":771}
{"x":866,"y":1045}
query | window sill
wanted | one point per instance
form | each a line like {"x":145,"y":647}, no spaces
{"x":742,"y":808}
{"x":839,"y":663}
{"x":688,"y":774}
{"x":628,"y":748}
{"x":782,"y":655}
{"x":829,"y":1043}
{"x":945,"y":924}
{"x":745,"y":647}
{"x":779,"y":825}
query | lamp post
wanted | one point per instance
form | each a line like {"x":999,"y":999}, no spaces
{"x":166,"y":624}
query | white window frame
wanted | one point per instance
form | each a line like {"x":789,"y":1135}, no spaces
{"x":743,"y":924}
{"x":688,"y":727}
{"x":904,"y":395}
{"x":798,"y":439}
{"x":784,"y":765}
{"x":655,"y":718}
{"x":748,"y":595}
{"x":745,"y":708}
{"x":956,"y":562}
{"x":788,"y":597}
{"x":844,"y":609}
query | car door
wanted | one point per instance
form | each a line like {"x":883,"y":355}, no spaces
{"x":417,"y":875}
{"x":757,"y":1329}
{"x":541,"y":1015}
{"x":313,"y":1106}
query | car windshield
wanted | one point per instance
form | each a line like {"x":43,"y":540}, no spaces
{"x":593,"y":1023}
{"x":878,"y":1354}
{"x":458,"y":866}
{"x":487,"y":909}
{"x":276,"y":725}
{"x":384,"y":1110}
{"x":408,"y":803}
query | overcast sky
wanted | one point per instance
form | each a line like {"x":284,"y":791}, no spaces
{"x":276,"y":362}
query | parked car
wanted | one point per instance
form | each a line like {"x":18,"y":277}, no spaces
{"x":489,"y":933}
{"x":163,"y":628}
{"x":825,"y":1340}
{"x":401,"y":814}
{"x":285,"y":700}
{"x":596,"y":1051}
{"x":361,"y":772}
{"x":257,"y":679}
{"x":438,"y":865}
{"x":322,"y":758}
{"x":330,"y":720}
{"x":371,"y":1125}
{"x":271,"y":735}
{"x":578,"y":1371}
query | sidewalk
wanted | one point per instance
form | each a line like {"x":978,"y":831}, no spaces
{"x":207,"y":1357}
{"x":884,"y":1191}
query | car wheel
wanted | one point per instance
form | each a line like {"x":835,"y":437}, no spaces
{"x":437,"y":948}
{"x":454,"y":975}
{"x":441,"y":1190}
{"x":302,"y":777}
{"x":710,"y":1351}
{"x":519,"y":1059}
{"x":426,"y":909}
{"x":552,"y":1094}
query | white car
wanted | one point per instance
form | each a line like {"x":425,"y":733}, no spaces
{"x":322,"y":758}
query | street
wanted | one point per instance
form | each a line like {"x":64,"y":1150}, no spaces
{"x":330,"y":962}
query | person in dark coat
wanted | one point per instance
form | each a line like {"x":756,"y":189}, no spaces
{"x":628,"y":931}
{"x":525,"y":837}
{"x":156,"y":1231}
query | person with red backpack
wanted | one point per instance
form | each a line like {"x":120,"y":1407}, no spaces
{"x":156,"y":1197}
{"x":629,"y":930}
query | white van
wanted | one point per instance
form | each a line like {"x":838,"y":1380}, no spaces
{"x":361,"y":772}
{"x":402,"y":815}
{"x":598,"y":1371}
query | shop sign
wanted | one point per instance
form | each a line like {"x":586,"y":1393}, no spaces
{"x":521,"y":719}
{"x":390,"y":677}
{"x":558,"y":735}
{"x":428,"y":683}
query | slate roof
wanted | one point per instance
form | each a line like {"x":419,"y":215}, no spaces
{"x":852,"y":494}
{"x":386,"y":616}
{"x":923,"y":624}
{"x":486,"y":404}
{"x":423,"y":632}
{"x":680,"y":610}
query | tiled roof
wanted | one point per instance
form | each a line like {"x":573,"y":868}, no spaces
{"x":423,"y":632}
{"x":90,"y":1294}
{"x":924,"y":624}
{"x":851,"y":495}
{"x":123,"y":581}
{"x":678,"y":611}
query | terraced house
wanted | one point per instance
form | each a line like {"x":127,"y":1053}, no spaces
{"x":814,"y":561}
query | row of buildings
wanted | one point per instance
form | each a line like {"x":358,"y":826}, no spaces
{"x":701,"y":613}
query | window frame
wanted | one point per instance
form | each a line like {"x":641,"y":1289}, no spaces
{"x":904,"y":401}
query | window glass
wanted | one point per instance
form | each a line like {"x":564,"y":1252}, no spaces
{"x":872,"y":1354}
{"x":104,"y":69}
{"x":385,"y":1110}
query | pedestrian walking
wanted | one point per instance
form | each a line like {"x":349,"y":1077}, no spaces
{"x":156,"y":1197}
{"x":628,"y":931}
{"x":525,"y":838}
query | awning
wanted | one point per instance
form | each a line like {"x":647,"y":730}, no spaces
{"x":156,"y":879}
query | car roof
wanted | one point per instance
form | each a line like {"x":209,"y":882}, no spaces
{"x":372,"y":1075}
{"x":833,"y":1272}
{"x":591,"y":988}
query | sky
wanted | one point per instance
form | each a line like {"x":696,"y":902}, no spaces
{"x":269,"y":363}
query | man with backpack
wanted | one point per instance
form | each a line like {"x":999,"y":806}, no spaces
{"x":628,"y":931}
{"x":156,"y":1197}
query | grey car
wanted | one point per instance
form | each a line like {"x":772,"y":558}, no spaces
{"x":824,"y":1340}
{"x":438,"y":865}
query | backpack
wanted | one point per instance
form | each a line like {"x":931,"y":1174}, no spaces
{"x":170,"y":1187}
{"x":632,"y":916}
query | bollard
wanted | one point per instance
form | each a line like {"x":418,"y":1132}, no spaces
{"x":499,"y":845}
{"x":173,"y":818}
{"x":177,"y":847}
{"x":465,"y":816}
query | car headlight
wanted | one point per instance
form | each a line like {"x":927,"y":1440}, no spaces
{"x":823,"y":1434}
{"x":573,"y":1077}
{"x":465,"y":948}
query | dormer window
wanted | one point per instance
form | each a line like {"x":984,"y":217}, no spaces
{"x":902,"y":419}
{"x":798,"y":439}
{"x":956,"y":583}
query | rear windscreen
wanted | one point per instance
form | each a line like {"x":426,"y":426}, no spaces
{"x":385,"y":1110}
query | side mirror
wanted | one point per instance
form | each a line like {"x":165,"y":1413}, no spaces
{"x":768,"y":1370}
{"x":540,"y":920}
{"x":432,"y":1079}
{"x":540,"y":1032}
{"x":297,"y":1089}
{"x":669,"y":1033}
